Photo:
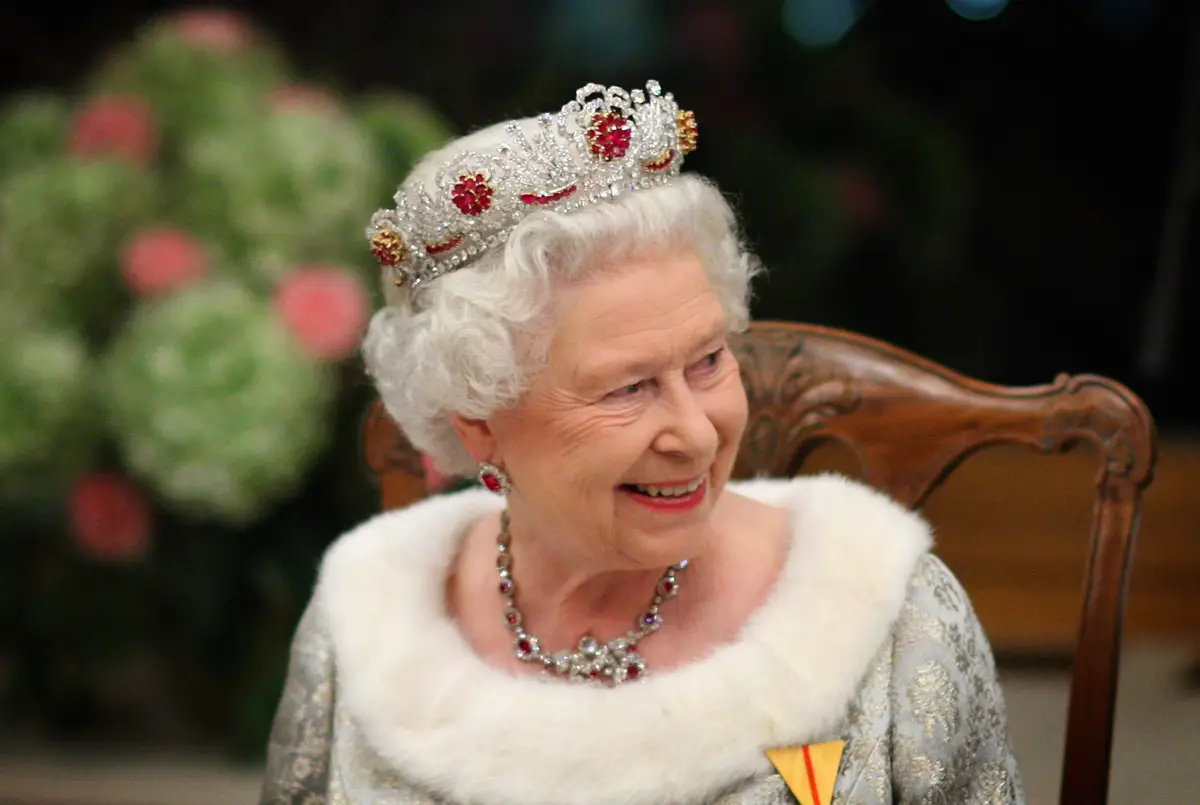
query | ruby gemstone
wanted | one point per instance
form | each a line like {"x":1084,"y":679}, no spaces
{"x":609,"y":136}
{"x":472,"y":194}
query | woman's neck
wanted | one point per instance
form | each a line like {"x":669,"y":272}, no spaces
{"x":563,"y":597}
{"x":560,"y":602}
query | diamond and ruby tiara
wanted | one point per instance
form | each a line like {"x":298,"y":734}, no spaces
{"x":605,"y":142}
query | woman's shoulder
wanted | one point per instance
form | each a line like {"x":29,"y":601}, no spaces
{"x":844,"y":583}
{"x":422,"y":535}
{"x":395,"y":562}
{"x":853,"y":534}
{"x":938,"y":612}
{"x":850,"y":540}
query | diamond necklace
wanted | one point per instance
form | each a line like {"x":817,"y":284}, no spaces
{"x":609,"y":663}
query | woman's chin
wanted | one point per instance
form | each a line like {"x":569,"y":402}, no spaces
{"x":655,"y":538}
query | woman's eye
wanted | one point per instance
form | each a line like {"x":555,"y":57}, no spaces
{"x":627,"y":391}
{"x":712,"y":359}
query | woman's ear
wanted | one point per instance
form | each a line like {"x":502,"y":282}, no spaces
{"x":476,"y":436}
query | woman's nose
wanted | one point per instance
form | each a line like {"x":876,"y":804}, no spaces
{"x":687,"y":429}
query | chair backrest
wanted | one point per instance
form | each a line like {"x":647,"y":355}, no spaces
{"x":910,"y":422}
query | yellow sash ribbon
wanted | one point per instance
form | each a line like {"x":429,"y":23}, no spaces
{"x":810,"y":770}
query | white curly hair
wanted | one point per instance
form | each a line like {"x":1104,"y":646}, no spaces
{"x":471,"y":341}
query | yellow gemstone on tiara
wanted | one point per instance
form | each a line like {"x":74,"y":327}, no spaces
{"x":685,"y":124}
{"x":388,"y":248}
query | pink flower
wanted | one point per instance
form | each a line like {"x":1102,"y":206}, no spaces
{"x":115,"y":126}
{"x":110,"y":518}
{"x":304,"y":98}
{"x":216,"y":29}
{"x":158,"y":260}
{"x":325,"y":308}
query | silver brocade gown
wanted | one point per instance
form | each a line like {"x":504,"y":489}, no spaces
{"x":926,"y":723}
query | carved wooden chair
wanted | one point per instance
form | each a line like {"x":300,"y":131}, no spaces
{"x":910,"y":422}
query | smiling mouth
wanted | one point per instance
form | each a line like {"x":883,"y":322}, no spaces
{"x":676,"y":498}
{"x":666,"y":490}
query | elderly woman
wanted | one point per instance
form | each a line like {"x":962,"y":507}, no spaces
{"x":612,"y":620}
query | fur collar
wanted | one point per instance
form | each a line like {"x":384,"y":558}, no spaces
{"x":427,"y":705}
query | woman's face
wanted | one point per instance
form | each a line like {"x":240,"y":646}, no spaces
{"x":621,"y":448}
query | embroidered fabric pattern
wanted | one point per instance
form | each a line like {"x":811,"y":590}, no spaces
{"x":941,"y":658}
{"x":299,"y":746}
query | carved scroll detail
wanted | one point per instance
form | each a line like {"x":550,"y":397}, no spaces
{"x":790,"y":398}
{"x":1087,"y":407}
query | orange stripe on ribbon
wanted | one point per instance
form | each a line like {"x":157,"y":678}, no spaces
{"x":809,"y":771}
{"x":812,"y":777}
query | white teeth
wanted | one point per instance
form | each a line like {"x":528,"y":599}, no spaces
{"x":669,"y":491}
